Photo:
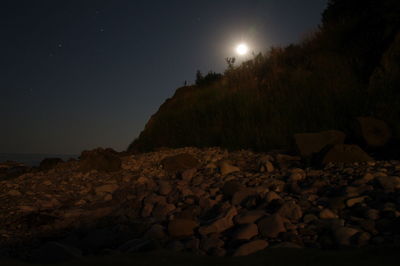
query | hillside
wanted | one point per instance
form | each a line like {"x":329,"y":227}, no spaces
{"x":347,"y":68}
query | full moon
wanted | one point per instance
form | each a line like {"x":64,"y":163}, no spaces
{"x":242,"y":49}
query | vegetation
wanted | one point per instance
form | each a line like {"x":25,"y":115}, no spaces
{"x":348,"y":67}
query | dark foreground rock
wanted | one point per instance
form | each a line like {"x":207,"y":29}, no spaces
{"x":208,"y":201}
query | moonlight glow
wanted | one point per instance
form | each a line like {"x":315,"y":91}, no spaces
{"x":242,"y":49}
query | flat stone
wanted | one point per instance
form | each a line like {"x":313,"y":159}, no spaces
{"x":108,"y":188}
{"x":354,"y":201}
{"x":327,"y":214}
{"x":250,"y":248}
{"x":220,"y":224}
{"x":249,"y":217}
{"x":246,"y":231}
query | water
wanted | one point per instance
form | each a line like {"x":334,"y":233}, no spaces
{"x":33,"y":159}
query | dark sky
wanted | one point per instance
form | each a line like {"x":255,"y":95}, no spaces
{"x":80,"y":74}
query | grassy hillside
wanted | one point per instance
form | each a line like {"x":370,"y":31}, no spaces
{"x":348,"y":67}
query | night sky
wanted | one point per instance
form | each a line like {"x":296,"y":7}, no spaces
{"x":81,"y":74}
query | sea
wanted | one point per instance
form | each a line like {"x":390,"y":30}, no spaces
{"x":33,"y":159}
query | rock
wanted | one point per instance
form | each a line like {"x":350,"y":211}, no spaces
{"x":343,"y":235}
{"x":14,"y":193}
{"x":389,"y":183}
{"x":271,"y":226}
{"x":296,"y":174}
{"x":179,"y":163}
{"x":156,"y":232}
{"x":226,"y":168}
{"x":231,"y":187}
{"x":376,"y":133}
{"x":373,"y":214}
{"x":271,"y":195}
{"x":101,"y":160}
{"x":345,"y":153}
{"x":365,"y":179}
{"x":249,"y":217}
{"x":181,"y":228}
{"x":311,"y":143}
{"x":212,"y":242}
{"x":161,"y":211}
{"x":250,"y":248}
{"x":49,"y":163}
{"x":327,"y":214}
{"x":188,"y":174}
{"x":246,"y":232}
{"x":354,"y":201}
{"x":241,"y":196}
{"x":54,"y":252}
{"x":108,"y":188}
{"x":164,"y":187}
{"x":221,"y":224}
{"x":290,"y":210}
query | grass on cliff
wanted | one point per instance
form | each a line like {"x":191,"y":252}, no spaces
{"x":348,"y":68}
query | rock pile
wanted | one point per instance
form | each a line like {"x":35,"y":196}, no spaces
{"x":208,"y":201}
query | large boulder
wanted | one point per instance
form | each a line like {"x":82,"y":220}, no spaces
{"x":49,"y":163}
{"x":374,"y":132}
{"x":179,"y":163}
{"x":271,"y":226}
{"x":346,"y":153}
{"x":106,"y":160}
{"x":311,"y":143}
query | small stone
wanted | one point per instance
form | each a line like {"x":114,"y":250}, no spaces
{"x":249,"y":217}
{"x":271,"y":226}
{"x":25,"y":208}
{"x":354,"y":201}
{"x":109,"y":188}
{"x":290,"y":210}
{"x":164,"y":188}
{"x":297,"y":174}
{"x":188,"y":174}
{"x":271,"y":195}
{"x":343,"y":235}
{"x":250,"y":248}
{"x":246,"y":231}
{"x":373,"y":214}
{"x":269,"y":167}
{"x":327,"y":214}
{"x":14,"y":193}
{"x":240,"y":196}
{"x":226,"y":168}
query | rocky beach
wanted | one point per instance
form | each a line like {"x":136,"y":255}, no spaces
{"x":203,"y":201}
